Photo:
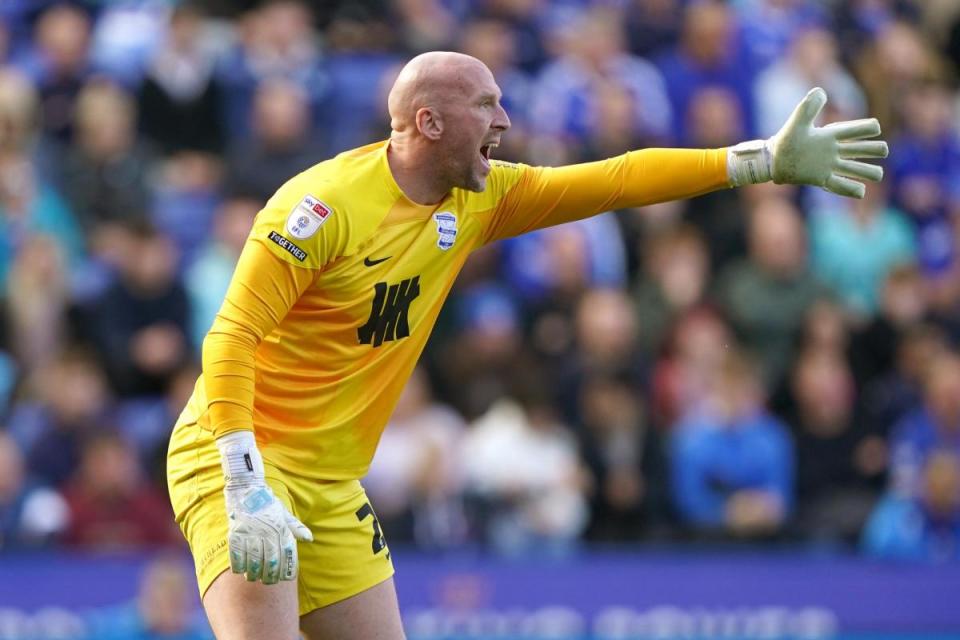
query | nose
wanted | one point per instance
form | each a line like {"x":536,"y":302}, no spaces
{"x":501,"y":121}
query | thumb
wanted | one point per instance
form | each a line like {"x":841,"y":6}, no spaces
{"x":298,"y":529}
{"x":808,"y":109}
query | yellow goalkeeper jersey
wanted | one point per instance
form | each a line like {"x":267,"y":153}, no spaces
{"x":342,"y":279}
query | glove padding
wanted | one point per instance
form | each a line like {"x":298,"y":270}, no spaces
{"x":801,"y":153}
{"x":262,"y":533}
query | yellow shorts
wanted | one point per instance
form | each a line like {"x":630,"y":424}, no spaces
{"x":348,"y":554}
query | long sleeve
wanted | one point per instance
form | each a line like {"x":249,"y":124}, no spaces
{"x":695,"y":499}
{"x":547,"y":196}
{"x":262,"y":291}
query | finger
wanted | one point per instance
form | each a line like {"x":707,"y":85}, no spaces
{"x":238,"y":553}
{"x":271,"y":560}
{"x":864,"y":149}
{"x":288,"y":559}
{"x":854,"y":129}
{"x":254,"y":558}
{"x":845,"y":186}
{"x":298,"y":529}
{"x":809,"y":108}
{"x":862,"y":170}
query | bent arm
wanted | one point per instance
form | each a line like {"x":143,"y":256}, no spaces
{"x":262,"y":291}
{"x":547,"y":196}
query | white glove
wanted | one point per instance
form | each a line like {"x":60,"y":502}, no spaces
{"x":801,"y":153}
{"x":261,"y":530}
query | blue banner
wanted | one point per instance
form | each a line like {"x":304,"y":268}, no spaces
{"x":596,"y":596}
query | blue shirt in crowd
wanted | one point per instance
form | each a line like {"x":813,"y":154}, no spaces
{"x":713,"y":460}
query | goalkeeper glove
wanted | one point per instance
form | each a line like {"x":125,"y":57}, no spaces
{"x":801,"y":153}
{"x":262,"y":533}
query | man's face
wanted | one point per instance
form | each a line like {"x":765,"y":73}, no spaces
{"x":474,"y":120}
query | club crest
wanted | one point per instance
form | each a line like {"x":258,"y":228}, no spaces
{"x":446,"y":229}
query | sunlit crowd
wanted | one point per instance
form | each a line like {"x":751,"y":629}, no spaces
{"x":767,"y":365}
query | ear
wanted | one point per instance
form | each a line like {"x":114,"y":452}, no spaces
{"x":429,"y":123}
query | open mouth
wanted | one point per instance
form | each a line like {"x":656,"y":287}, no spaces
{"x":485,"y":152}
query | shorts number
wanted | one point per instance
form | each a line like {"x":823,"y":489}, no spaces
{"x":378,"y":542}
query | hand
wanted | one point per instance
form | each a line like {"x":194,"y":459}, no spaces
{"x":801,"y":153}
{"x":262,"y":533}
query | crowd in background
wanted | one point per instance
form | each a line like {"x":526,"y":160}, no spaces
{"x":769,"y":365}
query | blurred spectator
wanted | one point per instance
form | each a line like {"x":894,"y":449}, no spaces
{"x":30,"y":514}
{"x":715,"y":120}
{"x":693,"y":354}
{"x":485,"y":351}
{"x":105,"y":172}
{"x":179,"y":99}
{"x":924,"y":170}
{"x":812,"y":62}
{"x":709,"y":56}
{"x":837,"y":463}
{"x":565,"y":104}
{"x":896,"y":56}
{"x":415,"y":478}
{"x":188,"y":192}
{"x":164,"y":608}
{"x":125,"y":34}
{"x":68,"y":399}
{"x":37,"y":303}
{"x":893,"y":392}
{"x":59,"y":64}
{"x":353,"y":113}
{"x":930,"y":427}
{"x":770,"y":26}
{"x":653,"y":25}
{"x":28,"y":205}
{"x":111,"y":507}
{"x":146,"y":421}
{"x":207,"y":278}
{"x":525,"y":18}
{"x":623,"y":455}
{"x":523,"y":475}
{"x":276,"y":40}
{"x":141,"y":324}
{"x":550,"y":268}
{"x":825,"y":326}
{"x":605,"y":345}
{"x":675,"y":280}
{"x":854,"y":248}
{"x":428,"y":25}
{"x":767,"y":296}
{"x":902,"y":305}
{"x":281,"y":145}
{"x":732,"y":461}
{"x":923,"y":527}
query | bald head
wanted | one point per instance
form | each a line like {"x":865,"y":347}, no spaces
{"x":446,"y":117}
{"x":433,"y":79}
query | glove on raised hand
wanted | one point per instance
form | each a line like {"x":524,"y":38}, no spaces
{"x":801,"y":153}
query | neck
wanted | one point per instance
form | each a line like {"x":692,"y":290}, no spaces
{"x":414,"y":174}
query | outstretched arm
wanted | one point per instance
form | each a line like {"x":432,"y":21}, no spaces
{"x":800,"y":153}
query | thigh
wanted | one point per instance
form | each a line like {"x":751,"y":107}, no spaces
{"x":349,"y":553}
{"x":370,"y":615}
{"x":241,"y":610}
{"x":196,"y":493}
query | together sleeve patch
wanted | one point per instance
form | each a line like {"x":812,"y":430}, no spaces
{"x":287,"y":246}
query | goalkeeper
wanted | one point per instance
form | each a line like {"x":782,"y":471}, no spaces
{"x":334,"y":295}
